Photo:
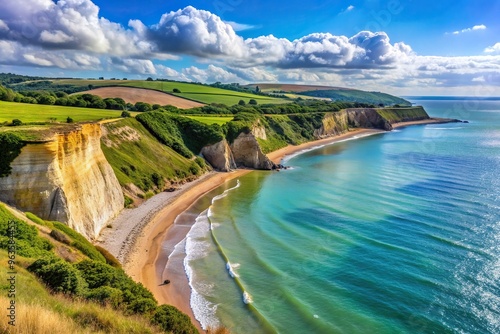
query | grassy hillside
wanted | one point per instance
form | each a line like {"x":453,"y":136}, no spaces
{"x":394,"y":115}
{"x":59,"y":289}
{"x":138,"y":158}
{"x":351,"y":95}
{"x":30,"y":113}
{"x":334,"y":93}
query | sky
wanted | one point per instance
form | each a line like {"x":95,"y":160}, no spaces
{"x":402,"y":47}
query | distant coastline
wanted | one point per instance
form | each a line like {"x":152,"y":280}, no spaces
{"x":149,"y":227}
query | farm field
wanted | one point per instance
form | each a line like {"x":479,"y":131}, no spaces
{"x":133,"y":95}
{"x":199,"y":93}
{"x":29,"y":113}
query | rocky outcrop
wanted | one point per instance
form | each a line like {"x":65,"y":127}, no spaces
{"x":247,"y":152}
{"x":367,"y":118}
{"x":334,"y":124}
{"x":66,"y":179}
{"x":219,"y":156}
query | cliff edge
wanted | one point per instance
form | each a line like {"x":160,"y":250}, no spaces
{"x":66,"y":179}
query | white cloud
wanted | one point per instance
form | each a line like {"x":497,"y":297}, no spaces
{"x":211,"y":74}
{"x":3,"y":26}
{"x":138,"y":66}
{"x":493,"y":49}
{"x":349,"y":8}
{"x":71,"y":35}
{"x":240,"y":26}
{"x":474,"y":28}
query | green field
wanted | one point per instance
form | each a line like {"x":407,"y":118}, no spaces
{"x":221,"y":120}
{"x":200,"y":93}
{"x":29,"y":113}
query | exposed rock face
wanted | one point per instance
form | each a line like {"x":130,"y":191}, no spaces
{"x":367,"y":118}
{"x":334,"y":124}
{"x":247,"y":152}
{"x":219,"y":156}
{"x":66,"y":179}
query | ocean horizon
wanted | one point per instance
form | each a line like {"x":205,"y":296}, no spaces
{"x":397,"y":232}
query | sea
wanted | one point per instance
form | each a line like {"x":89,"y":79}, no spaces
{"x":397,"y":232}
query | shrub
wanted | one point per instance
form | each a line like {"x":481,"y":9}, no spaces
{"x":252,"y":102}
{"x":16,"y":122}
{"x":128,"y":201}
{"x":60,"y":276}
{"x":125,"y":114}
{"x":142,"y":306}
{"x":10,"y":148}
{"x":96,"y":274}
{"x":106,"y":296}
{"x":172,"y":320}
{"x":175,"y":90}
{"x":69,"y":120}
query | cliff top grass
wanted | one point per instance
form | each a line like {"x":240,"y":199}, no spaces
{"x":39,"y":113}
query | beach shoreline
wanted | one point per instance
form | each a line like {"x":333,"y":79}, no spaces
{"x":139,"y":237}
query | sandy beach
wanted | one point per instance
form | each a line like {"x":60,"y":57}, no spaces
{"x":144,"y":237}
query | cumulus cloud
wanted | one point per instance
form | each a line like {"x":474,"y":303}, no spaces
{"x":493,"y":49}
{"x":70,"y":34}
{"x":138,"y":66}
{"x":474,"y":28}
{"x":211,"y":74}
{"x":67,"y":25}
{"x":196,"y":32}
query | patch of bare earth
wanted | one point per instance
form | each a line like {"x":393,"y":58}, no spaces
{"x":133,"y":95}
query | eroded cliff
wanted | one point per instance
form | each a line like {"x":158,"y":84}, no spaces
{"x":219,"y":156}
{"x":67,"y":179}
{"x":247,"y":151}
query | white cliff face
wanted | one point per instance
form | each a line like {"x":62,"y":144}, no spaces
{"x":247,"y":152}
{"x":66,"y":179}
{"x":219,"y":156}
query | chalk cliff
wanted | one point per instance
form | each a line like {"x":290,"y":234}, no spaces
{"x":219,"y":156}
{"x":247,"y":152}
{"x":67,"y":179}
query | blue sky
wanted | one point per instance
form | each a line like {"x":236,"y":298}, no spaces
{"x":401,"y":47}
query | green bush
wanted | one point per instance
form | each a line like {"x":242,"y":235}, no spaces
{"x":171,"y":320}
{"x":96,"y":274}
{"x":59,"y":275}
{"x":106,"y":296}
{"x":10,"y":148}
{"x":27,"y":241}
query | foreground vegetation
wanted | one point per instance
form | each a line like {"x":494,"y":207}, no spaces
{"x":65,"y":279}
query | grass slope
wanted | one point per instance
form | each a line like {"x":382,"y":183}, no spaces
{"x":394,"y":115}
{"x":30,"y":113}
{"x":138,"y":158}
{"x":85,"y":296}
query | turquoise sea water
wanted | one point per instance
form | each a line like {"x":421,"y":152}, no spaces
{"x":392,"y":233}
